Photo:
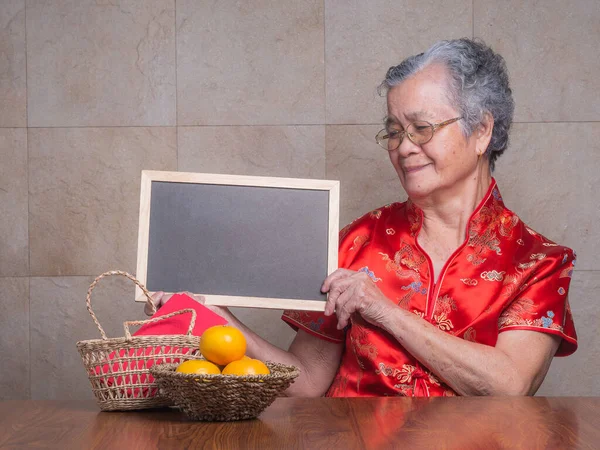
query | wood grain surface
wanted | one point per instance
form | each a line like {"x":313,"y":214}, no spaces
{"x":321,"y":423}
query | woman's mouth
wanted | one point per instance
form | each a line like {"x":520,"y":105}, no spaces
{"x":413,"y":169}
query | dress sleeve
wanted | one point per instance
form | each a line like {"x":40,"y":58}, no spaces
{"x":543,"y":302}
{"x":352,"y":238}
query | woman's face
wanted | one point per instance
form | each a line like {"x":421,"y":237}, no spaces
{"x":448,"y":159}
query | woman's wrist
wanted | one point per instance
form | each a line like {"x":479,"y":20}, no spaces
{"x":394,"y":322}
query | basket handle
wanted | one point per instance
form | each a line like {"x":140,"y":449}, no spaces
{"x":156,"y":319}
{"x":88,"y":299}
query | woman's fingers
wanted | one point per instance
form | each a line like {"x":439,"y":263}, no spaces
{"x":337,"y":275}
{"x":345,"y":307}
{"x":336,"y":288}
{"x":356,"y":293}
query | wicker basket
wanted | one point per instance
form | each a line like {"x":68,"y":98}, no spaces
{"x":223,"y":397}
{"x":118,"y":368}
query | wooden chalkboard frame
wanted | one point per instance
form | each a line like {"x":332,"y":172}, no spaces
{"x":332,"y":186}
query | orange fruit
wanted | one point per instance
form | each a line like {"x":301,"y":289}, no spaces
{"x":198,"y":366}
{"x":246,"y":367}
{"x":222,"y":344}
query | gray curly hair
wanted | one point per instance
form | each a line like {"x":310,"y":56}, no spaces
{"x":478,"y":84}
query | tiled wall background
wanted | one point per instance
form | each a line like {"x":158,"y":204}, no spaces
{"x":92,"y":92}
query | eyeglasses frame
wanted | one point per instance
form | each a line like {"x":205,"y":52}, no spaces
{"x":434,"y":127}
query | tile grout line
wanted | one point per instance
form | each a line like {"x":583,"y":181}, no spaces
{"x":96,"y":274}
{"x":325,"y":84}
{"x":28,"y":205}
{"x":176,"y":94}
{"x":583,"y":122}
{"x":325,"y":60}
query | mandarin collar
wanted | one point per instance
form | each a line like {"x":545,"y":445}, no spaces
{"x":484,"y":214}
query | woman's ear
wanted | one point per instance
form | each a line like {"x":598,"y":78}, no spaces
{"x":484,"y":131}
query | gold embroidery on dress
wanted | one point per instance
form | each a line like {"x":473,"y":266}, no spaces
{"x":507,"y":223}
{"x":443,"y":306}
{"x":493,"y":275}
{"x":511,"y":281}
{"x":405,"y":266}
{"x":419,"y":313}
{"x":363,"y":349}
{"x":359,"y":242}
{"x":537,"y":256}
{"x":404,"y":375}
{"x":480,"y":243}
{"x":443,"y":322}
{"x":404,"y":257}
{"x":433,"y":379}
{"x":414,"y":217}
{"x":519,"y":307}
{"x":492,"y":220}
{"x":470,"y":335}
{"x":469,"y":281}
{"x":515,"y":312}
{"x":404,"y":301}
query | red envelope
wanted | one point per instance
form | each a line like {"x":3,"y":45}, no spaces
{"x":178,"y":324}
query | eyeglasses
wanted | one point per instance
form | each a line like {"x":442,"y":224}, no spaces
{"x":419,"y":132}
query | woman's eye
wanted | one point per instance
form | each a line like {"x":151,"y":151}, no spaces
{"x":393,"y":134}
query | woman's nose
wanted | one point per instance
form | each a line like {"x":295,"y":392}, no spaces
{"x":408,"y":147}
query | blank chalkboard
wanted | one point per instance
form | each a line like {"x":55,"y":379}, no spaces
{"x":238,"y":240}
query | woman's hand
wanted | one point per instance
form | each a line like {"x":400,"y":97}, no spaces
{"x":160,"y":298}
{"x":351,"y":292}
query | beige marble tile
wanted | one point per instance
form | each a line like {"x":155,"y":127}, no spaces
{"x":59,"y":319}
{"x":551,"y":49}
{"x":13,"y":99}
{"x":550,"y":176}
{"x":267,"y":324}
{"x":84,"y":186}
{"x":363,"y":39}
{"x":262,"y":151}
{"x":368,"y":179}
{"x":250,"y":63}
{"x":14,"y":252}
{"x":101,"y":63}
{"x":577,"y":375}
{"x":14,"y":338}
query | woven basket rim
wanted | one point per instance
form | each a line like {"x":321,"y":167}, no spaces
{"x":167,"y":370}
{"x":145,"y":338}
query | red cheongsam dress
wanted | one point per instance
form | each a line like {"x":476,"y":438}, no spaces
{"x":504,"y":277}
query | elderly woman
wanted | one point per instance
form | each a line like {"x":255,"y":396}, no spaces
{"x":449,"y":292}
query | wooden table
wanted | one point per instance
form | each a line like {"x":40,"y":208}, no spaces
{"x":321,"y":423}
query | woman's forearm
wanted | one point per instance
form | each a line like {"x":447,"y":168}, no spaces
{"x":312,"y":381}
{"x":467,"y":367}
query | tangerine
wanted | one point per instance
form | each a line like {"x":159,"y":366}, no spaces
{"x":222,"y":344}
{"x":198,"y":366}
{"x":246,"y":367}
